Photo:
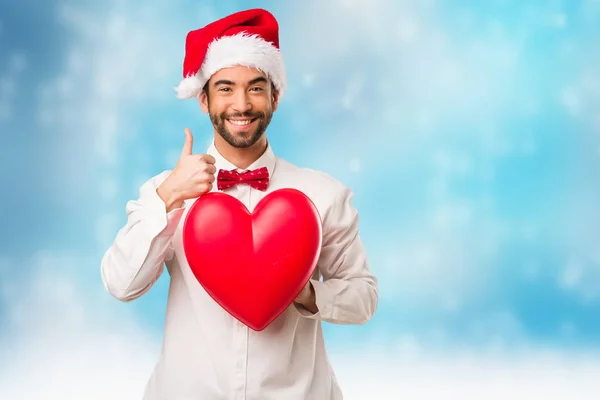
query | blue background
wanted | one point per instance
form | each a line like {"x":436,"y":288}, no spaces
{"x":469,"y":132}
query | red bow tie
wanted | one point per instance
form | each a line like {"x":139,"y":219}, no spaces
{"x":258,"y":178}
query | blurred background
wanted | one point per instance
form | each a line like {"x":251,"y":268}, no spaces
{"x":469,"y":132}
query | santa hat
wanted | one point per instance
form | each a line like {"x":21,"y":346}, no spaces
{"x":249,"y":38}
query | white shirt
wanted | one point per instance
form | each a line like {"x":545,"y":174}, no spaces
{"x":209,"y":355}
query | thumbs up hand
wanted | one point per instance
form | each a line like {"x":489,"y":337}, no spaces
{"x":192,"y":176}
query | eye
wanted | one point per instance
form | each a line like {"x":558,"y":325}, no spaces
{"x":224,"y":89}
{"x":257,"y":89}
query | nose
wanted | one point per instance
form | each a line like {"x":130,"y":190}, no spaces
{"x":241,"y":102}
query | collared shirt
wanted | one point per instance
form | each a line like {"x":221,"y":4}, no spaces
{"x":209,"y":355}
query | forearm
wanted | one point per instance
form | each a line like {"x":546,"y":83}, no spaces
{"x":134,"y":262}
{"x":135,"y":259}
{"x":348,"y":292}
{"x":346,"y":301}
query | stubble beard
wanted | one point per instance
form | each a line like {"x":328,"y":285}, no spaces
{"x":241,"y":140}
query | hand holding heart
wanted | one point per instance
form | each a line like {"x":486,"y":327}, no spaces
{"x":192,"y":177}
{"x":306,"y":298}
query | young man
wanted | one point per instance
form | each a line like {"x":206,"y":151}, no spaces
{"x":235,"y":70}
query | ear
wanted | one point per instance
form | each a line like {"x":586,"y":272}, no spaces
{"x":203,"y":100}
{"x":275,"y":99}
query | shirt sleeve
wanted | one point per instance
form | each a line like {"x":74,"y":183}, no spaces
{"x":135,"y":259}
{"x":348,"y":293}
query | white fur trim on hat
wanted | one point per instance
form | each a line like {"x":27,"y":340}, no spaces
{"x":240,"y":49}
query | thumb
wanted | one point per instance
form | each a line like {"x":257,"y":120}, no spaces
{"x":189,"y":142}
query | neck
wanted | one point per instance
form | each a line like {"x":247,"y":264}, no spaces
{"x":241,"y":158}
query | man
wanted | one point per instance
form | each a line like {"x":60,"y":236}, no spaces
{"x":234,"y":68}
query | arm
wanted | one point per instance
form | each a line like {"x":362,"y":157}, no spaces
{"x":348,"y":292}
{"x":135,"y":260}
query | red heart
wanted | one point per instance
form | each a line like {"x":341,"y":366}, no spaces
{"x":253,"y":264}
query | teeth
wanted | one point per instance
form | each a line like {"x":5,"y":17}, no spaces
{"x":245,"y":122}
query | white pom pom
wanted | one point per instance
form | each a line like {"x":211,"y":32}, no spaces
{"x":189,"y":87}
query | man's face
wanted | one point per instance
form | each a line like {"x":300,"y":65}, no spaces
{"x":240,"y":102}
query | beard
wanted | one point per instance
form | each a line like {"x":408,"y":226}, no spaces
{"x":243,"y":139}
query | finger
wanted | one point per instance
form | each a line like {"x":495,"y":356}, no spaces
{"x":206,"y":187}
{"x":208,"y":159}
{"x":206,"y":177}
{"x":211,"y":169}
{"x":189,"y":143}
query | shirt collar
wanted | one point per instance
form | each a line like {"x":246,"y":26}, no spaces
{"x":267,"y":159}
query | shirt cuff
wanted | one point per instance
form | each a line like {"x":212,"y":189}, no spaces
{"x":169,"y":220}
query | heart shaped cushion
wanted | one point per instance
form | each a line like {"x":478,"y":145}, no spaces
{"x":253,"y":264}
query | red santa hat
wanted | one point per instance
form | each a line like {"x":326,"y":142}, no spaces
{"x":249,"y":38}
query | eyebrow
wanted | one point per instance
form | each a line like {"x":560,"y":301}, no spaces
{"x":257,"y":80}
{"x":252,"y":82}
{"x":223,"y":82}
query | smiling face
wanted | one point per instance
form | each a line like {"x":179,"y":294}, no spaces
{"x":241,"y":102}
